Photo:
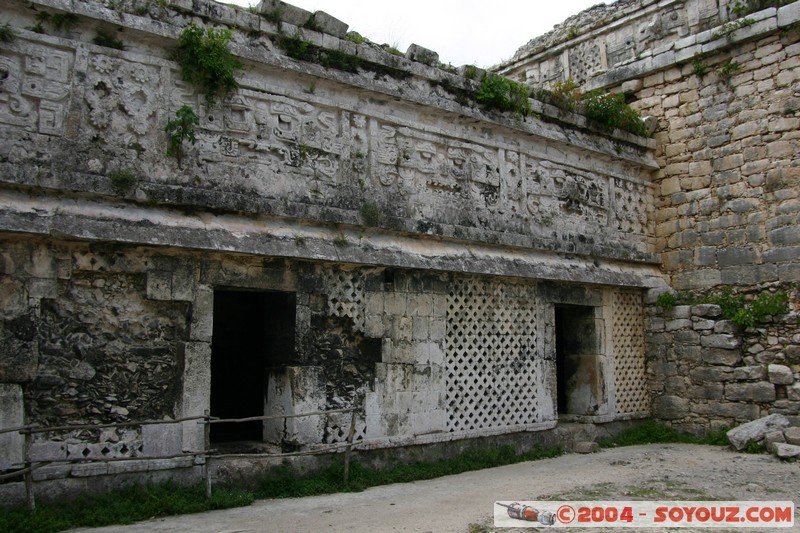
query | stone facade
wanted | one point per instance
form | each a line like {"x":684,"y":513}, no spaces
{"x":334,"y":239}
{"x":724,"y":92}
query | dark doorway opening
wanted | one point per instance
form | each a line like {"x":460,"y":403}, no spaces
{"x":253,"y":331}
{"x":577,"y":369}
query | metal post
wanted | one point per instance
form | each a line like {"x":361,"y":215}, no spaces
{"x":206,"y":446}
{"x":29,"y":496}
{"x":350,"y":435}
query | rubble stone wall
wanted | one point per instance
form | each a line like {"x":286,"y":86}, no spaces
{"x":706,"y":374}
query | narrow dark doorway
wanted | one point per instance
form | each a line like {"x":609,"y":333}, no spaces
{"x":576,"y":360}
{"x":252,"y":332}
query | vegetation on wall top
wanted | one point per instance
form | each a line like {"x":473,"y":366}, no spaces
{"x":500,"y":93}
{"x":206,"y":61}
{"x":742,"y":8}
{"x":607,"y":109}
{"x":735,"y":306}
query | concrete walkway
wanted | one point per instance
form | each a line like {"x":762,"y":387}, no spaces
{"x":453,"y":503}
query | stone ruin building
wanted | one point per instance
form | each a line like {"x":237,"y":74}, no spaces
{"x":351,"y":230}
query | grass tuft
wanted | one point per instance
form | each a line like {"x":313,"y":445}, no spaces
{"x":123,"y":506}
{"x":652,"y":432}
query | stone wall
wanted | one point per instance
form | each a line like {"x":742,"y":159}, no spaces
{"x":395,"y":246}
{"x":724,"y":92}
{"x":708,"y":375}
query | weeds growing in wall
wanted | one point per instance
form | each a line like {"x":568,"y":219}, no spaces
{"x":607,"y":109}
{"x":206,"y":61}
{"x":742,"y":8}
{"x":123,"y":179}
{"x":57,"y":21}
{"x":502,"y":94}
{"x":7,"y":33}
{"x":736,"y":307}
{"x":610,"y":110}
{"x":104,"y":38}
{"x":180,"y":129}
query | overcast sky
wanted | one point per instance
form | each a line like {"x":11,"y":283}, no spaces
{"x":478,"y":32}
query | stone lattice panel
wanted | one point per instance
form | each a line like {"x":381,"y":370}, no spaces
{"x":338,"y":427}
{"x":491,"y":355}
{"x":346,"y":296}
{"x":584,"y":61}
{"x":628,"y":339}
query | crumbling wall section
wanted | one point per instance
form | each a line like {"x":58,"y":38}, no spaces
{"x":708,"y":374}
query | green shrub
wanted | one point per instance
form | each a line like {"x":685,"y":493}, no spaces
{"x":179,"y":130}
{"x":666,"y":301}
{"x":123,"y":179}
{"x":104,"y":38}
{"x":500,"y":93}
{"x":611,"y":111}
{"x":566,"y":95}
{"x":371,"y":214}
{"x":206,"y":62}
{"x":355,"y":37}
{"x":7,"y":33}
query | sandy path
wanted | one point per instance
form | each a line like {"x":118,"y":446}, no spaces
{"x":464,"y":503}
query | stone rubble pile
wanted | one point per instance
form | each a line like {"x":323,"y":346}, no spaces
{"x":773,"y":431}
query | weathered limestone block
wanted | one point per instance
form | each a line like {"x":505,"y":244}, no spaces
{"x":18,"y":349}
{"x":162,"y":439}
{"x":728,"y":342}
{"x":723,"y":357}
{"x":772,"y":438}
{"x":681,"y":323}
{"x":788,"y":15}
{"x":419,"y":53}
{"x":11,"y":415}
{"x":670,"y":407}
{"x":750,"y":392}
{"x":288,"y":13}
{"x":756,"y":430}
{"x":793,"y":392}
{"x":780,"y":374}
{"x":196,"y":390}
{"x":749,"y":373}
{"x":585,"y":447}
{"x":295,"y":390}
{"x":707,"y":310}
{"x":330,"y":25}
{"x":786,"y":451}
{"x":792,"y":435}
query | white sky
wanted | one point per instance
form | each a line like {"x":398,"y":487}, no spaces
{"x":477,"y":32}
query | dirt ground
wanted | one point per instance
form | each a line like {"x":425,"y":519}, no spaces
{"x":464,"y":503}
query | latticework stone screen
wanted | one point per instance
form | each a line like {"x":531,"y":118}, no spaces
{"x":628,"y":339}
{"x":494,"y":368}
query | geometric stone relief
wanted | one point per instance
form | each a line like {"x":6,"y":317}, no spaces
{"x":584,"y":61}
{"x":495,"y":374}
{"x":630,"y":206}
{"x":628,"y":339}
{"x":337,"y":428}
{"x":346,"y":296}
{"x":34,"y":87}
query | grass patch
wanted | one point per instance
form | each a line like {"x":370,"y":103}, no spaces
{"x":138,"y":503}
{"x":286,"y":484}
{"x":121,"y":507}
{"x":652,"y":432}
